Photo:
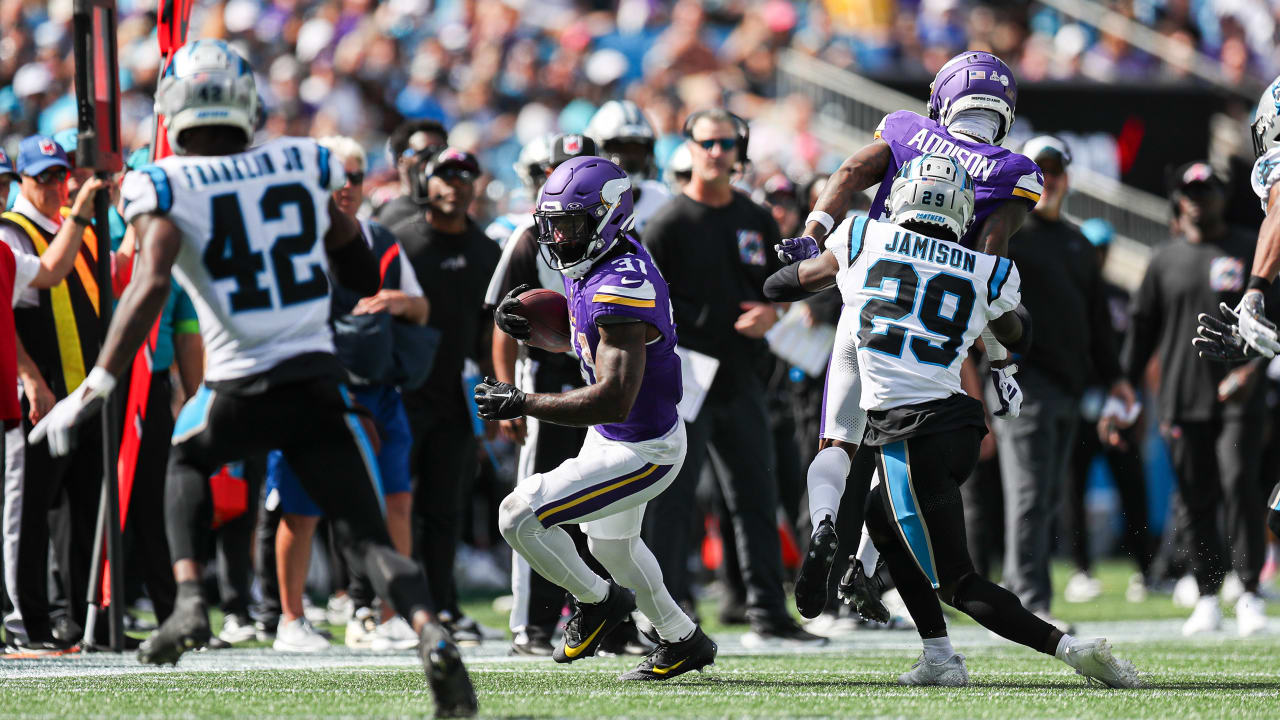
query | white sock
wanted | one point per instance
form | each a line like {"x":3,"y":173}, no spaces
{"x":826,"y":480}
{"x":938,"y":650}
{"x":633,"y":565}
{"x":867,"y":553}
{"x":1063,"y":644}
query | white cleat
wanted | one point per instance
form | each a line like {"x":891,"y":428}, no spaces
{"x":299,"y":635}
{"x":1082,"y":588}
{"x":394,"y":634}
{"x":1186,"y":592}
{"x":1251,"y":614}
{"x":1207,"y":617}
{"x":1095,"y":662}
{"x":949,"y":673}
{"x":361,"y":629}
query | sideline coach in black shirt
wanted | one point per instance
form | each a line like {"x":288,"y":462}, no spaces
{"x":1062,"y":288}
{"x":1212,"y":415}
{"x":712,"y":245}
{"x":453,"y":260}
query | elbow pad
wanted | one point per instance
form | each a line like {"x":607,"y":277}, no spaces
{"x":784,"y":285}
{"x":1023,"y":346}
{"x":355,"y":268}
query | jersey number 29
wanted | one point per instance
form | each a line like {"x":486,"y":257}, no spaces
{"x":229,"y":255}
{"x":929,"y":309}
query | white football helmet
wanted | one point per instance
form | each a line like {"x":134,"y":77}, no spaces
{"x":1265,"y":130}
{"x":933,"y":189}
{"x":531,"y":165}
{"x":207,"y":83}
{"x":617,"y":125}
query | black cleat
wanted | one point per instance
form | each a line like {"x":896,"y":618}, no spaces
{"x":454,"y":694}
{"x":591,"y":623}
{"x":624,"y":640}
{"x":863,"y":593}
{"x":532,"y":640}
{"x":815,"y":573}
{"x":670,"y":659}
{"x":186,"y":629}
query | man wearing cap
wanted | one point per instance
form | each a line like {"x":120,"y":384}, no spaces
{"x":1063,"y":290}
{"x":56,"y":319}
{"x":453,"y":260}
{"x":410,"y":146}
{"x":1210,"y":413}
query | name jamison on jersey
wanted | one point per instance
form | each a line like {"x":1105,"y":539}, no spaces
{"x":252,"y":257}
{"x":921,"y":303}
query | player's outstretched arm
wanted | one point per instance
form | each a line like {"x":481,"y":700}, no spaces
{"x":801,"y":280}
{"x":353,"y":263}
{"x":619,"y":370}
{"x":858,"y":172}
{"x":1001,"y":225}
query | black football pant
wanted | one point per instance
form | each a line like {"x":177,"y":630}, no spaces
{"x":1131,"y":483}
{"x":235,"y":545}
{"x":146,"y":546}
{"x":443,"y":465}
{"x":916,"y":518}
{"x":1218,"y":464}
{"x":736,"y":428}
{"x":314,"y":424}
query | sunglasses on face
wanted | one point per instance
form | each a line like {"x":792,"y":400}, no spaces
{"x":725,"y":143}
{"x":454,"y":173}
{"x":52,"y":176}
{"x":355,"y":178}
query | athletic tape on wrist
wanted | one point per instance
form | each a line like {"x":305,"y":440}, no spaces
{"x":826,"y":221}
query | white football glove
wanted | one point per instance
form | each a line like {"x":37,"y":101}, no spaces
{"x":85,"y":402}
{"x":1255,"y":328}
{"x":1008,"y":391}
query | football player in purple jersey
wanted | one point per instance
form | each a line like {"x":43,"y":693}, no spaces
{"x":971,"y":108}
{"x":622,"y":330}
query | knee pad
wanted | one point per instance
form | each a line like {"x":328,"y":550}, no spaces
{"x":512,"y":513}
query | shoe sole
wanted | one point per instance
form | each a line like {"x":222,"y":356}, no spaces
{"x":944,"y":681}
{"x":815,"y":578}
{"x":698,"y":664}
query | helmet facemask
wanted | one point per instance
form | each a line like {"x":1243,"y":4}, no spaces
{"x":572,"y":239}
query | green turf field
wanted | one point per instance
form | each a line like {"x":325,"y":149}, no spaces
{"x":1216,"y":676}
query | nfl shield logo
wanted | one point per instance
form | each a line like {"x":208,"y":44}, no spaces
{"x":572,"y":144}
{"x":48,"y":147}
{"x":4,"y":158}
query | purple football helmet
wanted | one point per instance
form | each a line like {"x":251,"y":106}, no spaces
{"x":974,"y":80}
{"x":583,"y":210}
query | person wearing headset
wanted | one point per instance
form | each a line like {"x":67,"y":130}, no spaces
{"x":453,"y":260}
{"x":713,"y":245}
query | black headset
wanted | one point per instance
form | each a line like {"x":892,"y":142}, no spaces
{"x":740,"y":127}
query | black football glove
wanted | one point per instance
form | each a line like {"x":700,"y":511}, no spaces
{"x":507,"y":316}
{"x":498,"y":400}
{"x":1220,"y":340}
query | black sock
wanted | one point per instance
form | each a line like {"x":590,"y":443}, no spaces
{"x":1000,"y":611}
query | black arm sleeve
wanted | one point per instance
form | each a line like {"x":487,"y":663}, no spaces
{"x":355,"y":268}
{"x":1023,"y":346}
{"x":784,"y":285}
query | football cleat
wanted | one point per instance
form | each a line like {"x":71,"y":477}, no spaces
{"x":815,"y":573}
{"x":590,"y":623}
{"x":863,"y":593}
{"x":187,"y":628}
{"x":1251,"y":614}
{"x":454,"y":694}
{"x":670,"y":659}
{"x":949,"y":673}
{"x":624,"y":640}
{"x":1095,"y":662}
{"x":1207,"y":617}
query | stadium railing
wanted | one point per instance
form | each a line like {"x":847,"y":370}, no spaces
{"x":848,"y":107}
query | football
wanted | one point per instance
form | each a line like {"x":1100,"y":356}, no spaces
{"x":548,"y":312}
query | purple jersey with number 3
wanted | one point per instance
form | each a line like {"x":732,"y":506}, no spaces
{"x":998,"y":174}
{"x":630,"y":286}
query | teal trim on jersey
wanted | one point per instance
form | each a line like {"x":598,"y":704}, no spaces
{"x":194,"y":415}
{"x":906,"y":511}
{"x":164,"y":194}
{"x":857,"y":227}
{"x":998,"y":277}
{"x":366,"y":447}
{"x":322,"y":158}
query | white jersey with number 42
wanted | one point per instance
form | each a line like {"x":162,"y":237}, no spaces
{"x":921,"y":302}
{"x":252,"y":257}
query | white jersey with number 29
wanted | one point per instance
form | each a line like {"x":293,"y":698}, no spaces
{"x":921,"y":302}
{"x":252,"y":258}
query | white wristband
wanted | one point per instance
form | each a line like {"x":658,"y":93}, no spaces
{"x":995,"y":351}
{"x":100,"y":382}
{"x":826,"y":221}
